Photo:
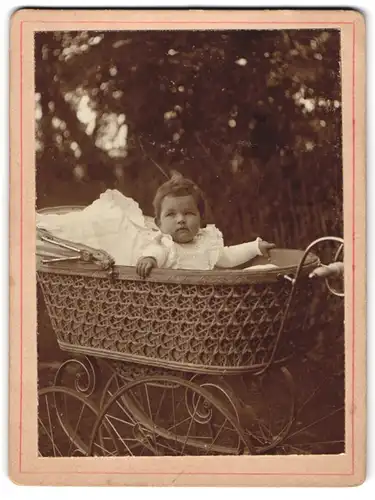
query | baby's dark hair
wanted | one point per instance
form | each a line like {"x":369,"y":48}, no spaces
{"x":178,"y":185}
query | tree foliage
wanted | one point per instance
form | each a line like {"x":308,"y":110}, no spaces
{"x":253,"y":116}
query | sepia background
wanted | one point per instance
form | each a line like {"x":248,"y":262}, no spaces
{"x":254,"y":117}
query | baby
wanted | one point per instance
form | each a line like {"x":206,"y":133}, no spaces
{"x":185,"y":241}
{"x":178,"y":238}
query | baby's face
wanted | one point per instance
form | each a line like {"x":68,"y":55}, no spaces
{"x":179,"y":217}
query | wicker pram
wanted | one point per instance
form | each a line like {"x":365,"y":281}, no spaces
{"x":212,"y":322}
{"x":220,"y":322}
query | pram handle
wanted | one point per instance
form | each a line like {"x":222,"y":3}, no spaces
{"x":333,"y":269}
{"x":322,"y":271}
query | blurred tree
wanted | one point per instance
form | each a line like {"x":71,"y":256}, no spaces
{"x":257,"y":112}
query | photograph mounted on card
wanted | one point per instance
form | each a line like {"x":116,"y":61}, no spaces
{"x":187,"y":248}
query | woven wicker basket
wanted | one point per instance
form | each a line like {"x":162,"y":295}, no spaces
{"x":225,"y":321}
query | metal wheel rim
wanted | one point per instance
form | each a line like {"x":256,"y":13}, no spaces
{"x":142,"y":418}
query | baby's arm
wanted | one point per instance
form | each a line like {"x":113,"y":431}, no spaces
{"x":236,"y":255}
{"x":154,"y":255}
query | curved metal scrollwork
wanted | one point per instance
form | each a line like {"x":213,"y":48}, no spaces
{"x":84,"y":373}
{"x":217,"y":390}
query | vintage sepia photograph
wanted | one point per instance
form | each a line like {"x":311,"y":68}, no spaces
{"x":190,"y":252}
{"x":187,"y":250}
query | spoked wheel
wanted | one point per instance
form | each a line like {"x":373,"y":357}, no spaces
{"x":167,"y":415}
{"x":268,"y":411}
{"x":131,"y":438}
{"x":65,"y":421}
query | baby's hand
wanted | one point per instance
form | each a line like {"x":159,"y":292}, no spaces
{"x":145,"y":266}
{"x":265,"y":247}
